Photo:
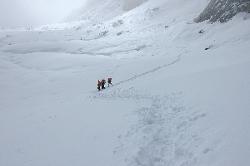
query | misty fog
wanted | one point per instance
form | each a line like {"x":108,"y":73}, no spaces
{"x":16,"y":13}
{"x":130,"y":4}
{"x":19,"y":13}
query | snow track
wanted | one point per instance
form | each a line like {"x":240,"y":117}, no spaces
{"x":137,"y":76}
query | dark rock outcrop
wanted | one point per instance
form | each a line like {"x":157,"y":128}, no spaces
{"x":223,"y":10}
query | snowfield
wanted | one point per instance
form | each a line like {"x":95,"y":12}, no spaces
{"x":181,"y":93}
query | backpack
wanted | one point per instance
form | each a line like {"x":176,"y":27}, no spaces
{"x":99,"y":83}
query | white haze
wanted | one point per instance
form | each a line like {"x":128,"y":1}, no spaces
{"x":16,"y":13}
{"x":19,"y":13}
{"x":129,"y":4}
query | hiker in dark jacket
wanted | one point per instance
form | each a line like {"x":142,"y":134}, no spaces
{"x":99,"y":84}
{"x":109,"y":81}
{"x":103,"y":83}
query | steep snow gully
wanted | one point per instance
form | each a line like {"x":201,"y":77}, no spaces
{"x":180,"y":96}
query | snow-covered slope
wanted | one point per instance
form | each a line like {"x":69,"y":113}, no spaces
{"x":180,"y":96}
{"x":98,"y":11}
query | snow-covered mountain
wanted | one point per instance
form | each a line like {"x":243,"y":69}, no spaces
{"x":180,"y":94}
{"x":98,"y":11}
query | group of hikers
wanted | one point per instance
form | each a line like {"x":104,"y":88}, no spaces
{"x":101,"y":83}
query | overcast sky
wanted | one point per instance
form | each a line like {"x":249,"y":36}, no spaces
{"x":35,"y":12}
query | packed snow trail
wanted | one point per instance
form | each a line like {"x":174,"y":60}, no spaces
{"x":137,"y":76}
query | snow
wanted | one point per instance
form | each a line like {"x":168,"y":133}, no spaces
{"x":172,"y":103}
